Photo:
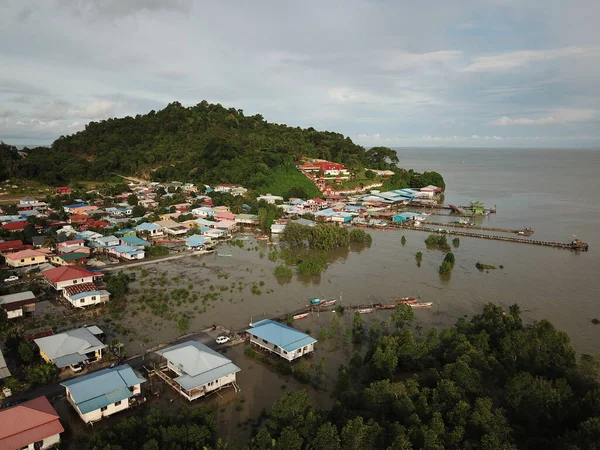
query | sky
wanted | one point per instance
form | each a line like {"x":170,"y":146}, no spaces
{"x":482,"y":73}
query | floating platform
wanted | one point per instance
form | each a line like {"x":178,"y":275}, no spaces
{"x":523,"y":232}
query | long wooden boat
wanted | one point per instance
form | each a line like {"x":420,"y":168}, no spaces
{"x":262,"y":237}
{"x":327,"y":303}
{"x":365,"y":310}
{"x":406,"y":299}
{"x":385,"y":306}
{"x":300,"y":316}
{"x":420,"y":305}
{"x":315,"y":301}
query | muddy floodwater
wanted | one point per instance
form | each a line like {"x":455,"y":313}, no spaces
{"x":529,"y":188}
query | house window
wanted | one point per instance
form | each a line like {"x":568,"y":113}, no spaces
{"x":82,"y":300}
{"x":74,"y":281}
{"x":284,"y":352}
{"x":94,"y":297}
{"x":104,"y":408}
{"x":118,"y":403}
{"x":265,"y":341}
{"x":22,"y":260}
{"x":33,"y":259}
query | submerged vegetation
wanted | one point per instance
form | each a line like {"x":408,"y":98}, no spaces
{"x":437,"y":241}
{"x":482,"y":266}
{"x":489,"y":382}
{"x":323,"y":236}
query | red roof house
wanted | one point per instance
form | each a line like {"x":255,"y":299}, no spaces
{"x":29,"y":423}
{"x":60,"y":277}
{"x":15,"y":226}
{"x":63,"y":190}
{"x":12,"y":246}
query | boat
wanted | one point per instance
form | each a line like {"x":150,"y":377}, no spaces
{"x":420,"y":305}
{"x":300,"y":316}
{"x":315,"y":301}
{"x":327,"y":303}
{"x":365,"y":310}
{"x":385,"y":306}
{"x":576,"y":244}
{"x":406,"y":299}
{"x":223,"y":254}
{"x":262,"y":237}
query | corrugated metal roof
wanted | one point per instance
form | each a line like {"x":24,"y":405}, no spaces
{"x":281,"y":335}
{"x":102,"y":388}
{"x":18,"y":297}
{"x":79,"y":341}
{"x":4,"y":372}
{"x":197,"y":363}
{"x":135,"y":241}
{"x":28,"y":423}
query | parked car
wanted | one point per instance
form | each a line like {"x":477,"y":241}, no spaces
{"x":77,"y":367}
{"x":11,"y":278}
{"x":223,"y":339}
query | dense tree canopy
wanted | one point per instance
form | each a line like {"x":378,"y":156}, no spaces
{"x":490,"y":382}
{"x":205,"y":143}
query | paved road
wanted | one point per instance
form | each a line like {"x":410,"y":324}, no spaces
{"x":137,"y":362}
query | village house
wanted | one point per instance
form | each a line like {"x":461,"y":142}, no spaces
{"x":15,"y":226}
{"x":135,"y":242}
{"x":85,"y":294}
{"x":286,"y":342}
{"x":198,"y":242}
{"x":12,"y":246}
{"x":60,"y":277}
{"x":103,"y":393}
{"x":63,"y":190}
{"x":148,"y":203}
{"x":25,"y":258}
{"x":71,"y":243}
{"x":80,"y":345}
{"x":19,"y":304}
{"x":221,"y":209}
{"x":246,"y":219}
{"x":69,"y":259}
{"x":224,"y":216}
{"x":127,"y":252}
{"x":226,"y":225}
{"x":31,"y":203}
{"x":4,"y":372}
{"x":194,"y":370}
{"x":172,"y":227}
{"x":149,"y":229}
{"x":203,"y":212}
{"x":272,"y":199}
{"x":106,"y":241}
{"x":32,"y":425}
{"x":169,"y":216}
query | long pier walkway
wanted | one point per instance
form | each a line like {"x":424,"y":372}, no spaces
{"x":487,"y":236}
{"x":523,"y":232}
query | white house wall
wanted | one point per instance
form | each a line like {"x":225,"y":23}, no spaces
{"x":46,"y":443}
{"x":14,"y":314}
{"x":87,"y":301}
{"x":62,"y":284}
{"x":290,"y":356}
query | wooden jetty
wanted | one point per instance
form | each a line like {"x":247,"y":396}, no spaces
{"x":523,"y":232}
{"x":520,"y":240}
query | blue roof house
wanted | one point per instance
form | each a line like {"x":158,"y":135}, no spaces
{"x":404,"y":217}
{"x":149,"y":229}
{"x":194,"y":370}
{"x":103,"y":393}
{"x":135,"y":241}
{"x":198,"y":242}
{"x":280,"y":339}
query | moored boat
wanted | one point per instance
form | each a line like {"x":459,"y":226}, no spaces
{"x":261,"y":237}
{"x":406,"y":299}
{"x":420,"y":305}
{"x":327,"y":303}
{"x":315,"y":301}
{"x":365,"y":310}
{"x":385,"y":306}
{"x":300,"y":316}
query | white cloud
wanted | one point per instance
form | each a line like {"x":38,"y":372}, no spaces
{"x":97,"y":109}
{"x":400,"y":97}
{"x":556,"y":118}
{"x":405,"y":60}
{"x":513,"y":60}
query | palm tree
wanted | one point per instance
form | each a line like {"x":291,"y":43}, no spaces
{"x":51,"y":241}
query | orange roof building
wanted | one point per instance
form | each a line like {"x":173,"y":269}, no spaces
{"x":29,"y":423}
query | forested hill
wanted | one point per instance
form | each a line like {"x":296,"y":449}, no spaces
{"x":204,"y":143}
